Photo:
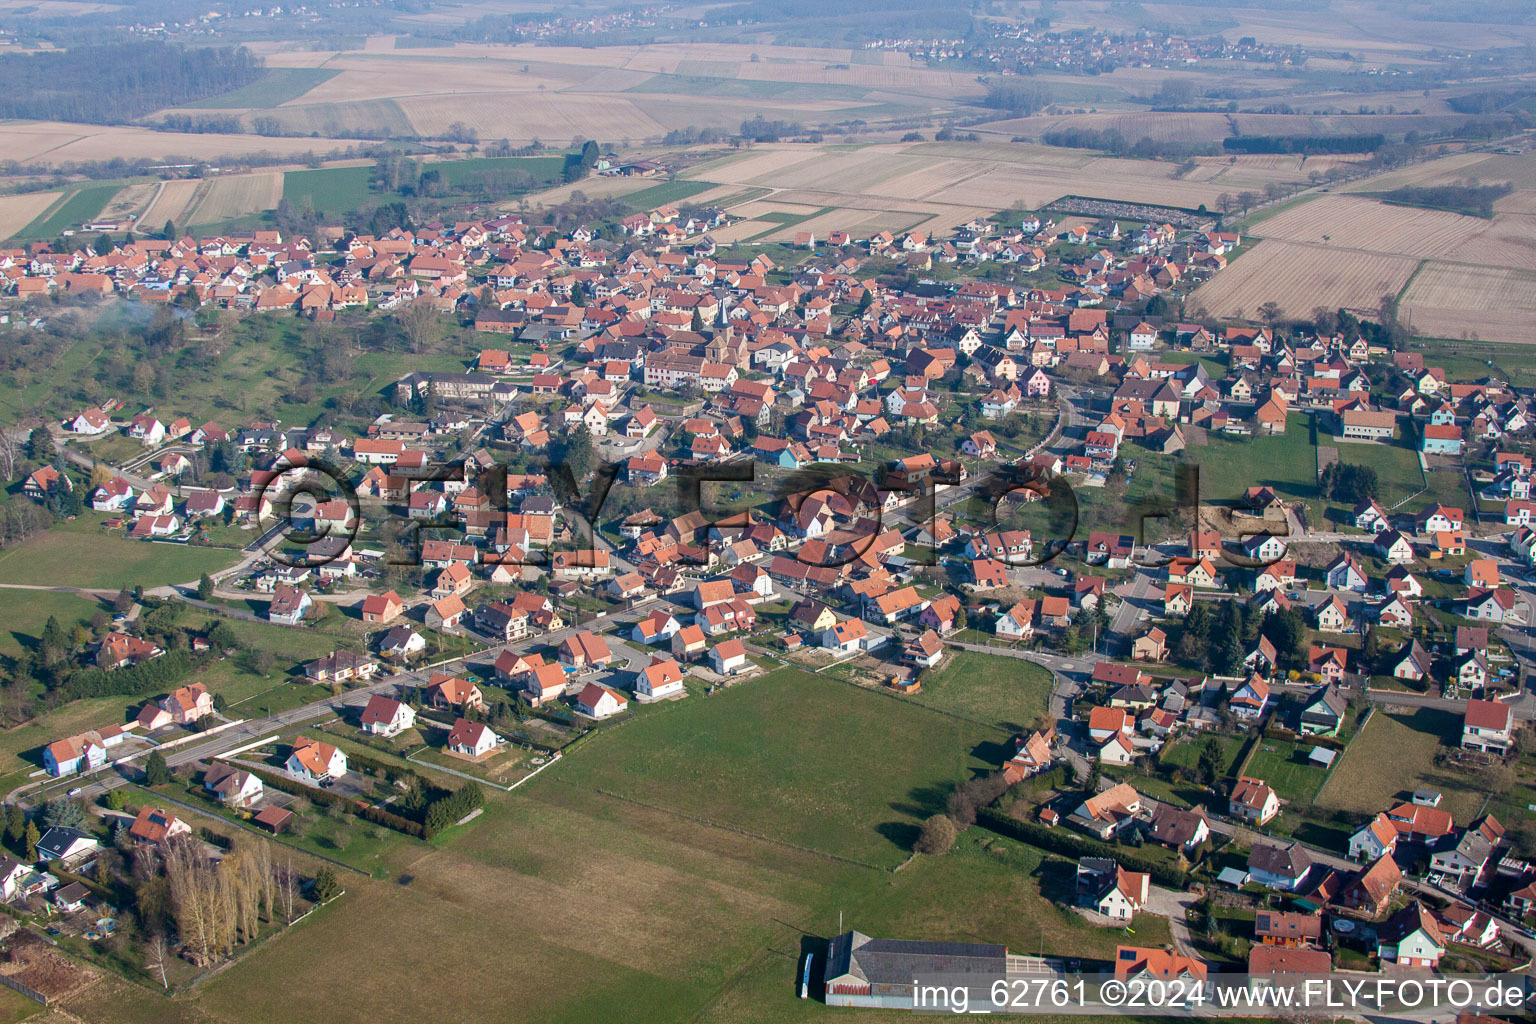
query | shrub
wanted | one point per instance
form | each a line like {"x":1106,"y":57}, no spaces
{"x":937,"y":837}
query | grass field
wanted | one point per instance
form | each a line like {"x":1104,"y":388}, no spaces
{"x":333,"y":190}
{"x":276,"y":87}
{"x":1394,"y":755}
{"x":988,"y":688}
{"x":80,"y":554}
{"x":25,"y":611}
{"x":543,"y":168}
{"x":80,"y":206}
{"x":1287,"y":462}
{"x":666,"y":192}
{"x":16,"y":1007}
{"x":1397,"y":468}
{"x":1278,"y":763}
{"x":776,"y":758}
{"x":646,"y":905}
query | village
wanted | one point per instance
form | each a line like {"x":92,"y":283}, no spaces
{"x":675,"y":467}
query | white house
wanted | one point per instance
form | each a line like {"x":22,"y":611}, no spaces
{"x":1488,"y":725}
{"x":312,"y":761}
{"x":661,"y":679}
{"x":231,"y":785}
{"x":599,"y":701}
{"x":729,"y":657}
{"x":385,"y":716}
{"x":1411,"y":937}
{"x":471,"y":739}
{"x":1373,"y":841}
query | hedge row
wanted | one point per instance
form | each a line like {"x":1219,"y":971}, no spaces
{"x":443,"y":812}
{"x":1069,"y":844}
{"x":341,"y":803}
{"x":1275,"y":732}
{"x":145,"y":677}
{"x":389,"y":772}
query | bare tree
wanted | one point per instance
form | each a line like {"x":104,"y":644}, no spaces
{"x":420,"y":323}
{"x":10,"y":452}
{"x":158,"y":951}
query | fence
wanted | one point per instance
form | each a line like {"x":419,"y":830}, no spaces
{"x":26,"y":990}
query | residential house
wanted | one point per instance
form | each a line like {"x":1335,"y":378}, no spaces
{"x":314,"y":762}
{"x":1253,"y":800}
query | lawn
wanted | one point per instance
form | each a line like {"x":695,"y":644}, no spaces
{"x":76,"y":209}
{"x":820,"y":765}
{"x":1286,"y":462}
{"x":1186,"y":753}
{"x":16,"y":1007}
{"x":1394,"y":755}
{"x":331,"y":190}
{"x":988,"y":688}
{"x":273,"y":89}
{"x":1280,"y":763}
{"x":80,"y":554}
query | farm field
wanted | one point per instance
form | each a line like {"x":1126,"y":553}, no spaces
{"x":1454,"y":300}
{"x":171,"y":202}
{"x":57,"y":142}
{"x":1394,"y":755}
{"x":773,"y":757}
{"x":17,"y":211}
{"x":239,"y":195}
{"x":77,"y":208}
{"x":333,"y":190}
{"x":277,"y":86}
{"x":1356,"y":223}
{"x":1302,"y":277}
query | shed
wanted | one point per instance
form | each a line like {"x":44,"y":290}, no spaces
{"x":1235,"y":877}
{"x":273,"y":819}
{"x":1322,"y":756}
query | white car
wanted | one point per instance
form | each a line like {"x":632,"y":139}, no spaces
{"x":76,"y":791}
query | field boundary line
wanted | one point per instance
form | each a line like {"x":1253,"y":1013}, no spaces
{"x":729,"y":828}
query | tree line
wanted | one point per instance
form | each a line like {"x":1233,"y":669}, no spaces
{"x":1307,"y":144}
{"x":117,"y":82}
{"x":1459,"y":197}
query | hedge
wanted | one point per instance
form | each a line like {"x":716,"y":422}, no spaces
{"x":145,"y":677}
{"x":329,"y":799}
{"x":1075,"y":846}
{"x":1275,"y":732}
{"x":443,"y":812}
